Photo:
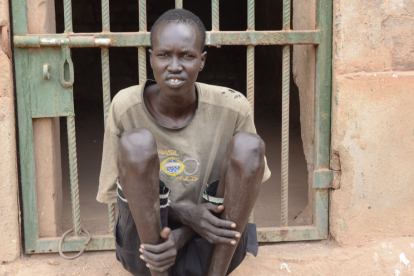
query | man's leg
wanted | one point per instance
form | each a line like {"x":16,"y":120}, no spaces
{"x":138,"y":166}
{"x":241,"y":176}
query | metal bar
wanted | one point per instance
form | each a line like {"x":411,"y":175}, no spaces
{"x":105,"y":16}
{"x":285,"y":116}
{"x":322,"y":117}
{"x":73,"y":167}
{"x":285,"y":133}
{"x":98,"y":242}
{"x":26,"y":149}
{"x":291,"y":233}
{"x":19,"y":15}
{"x":142,"y":15}
{"x":215,"y":16}
{"x":250,"y":77}
{"x":250,"y":15}
{"x":178,"y":4}
{"x":142,"y":65}
{"x":143,"y":39}
{"x":106,"y":89}
{"x":68,"y":16}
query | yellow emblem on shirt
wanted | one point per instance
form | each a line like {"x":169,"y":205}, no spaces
{"x":172,"y":166}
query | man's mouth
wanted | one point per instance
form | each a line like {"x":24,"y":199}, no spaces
{"x":175,"y":82}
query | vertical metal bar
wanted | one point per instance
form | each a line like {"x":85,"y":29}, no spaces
{"x":105,"y":16}
{"x":250,"y":15}
{"x":142,"y":57}
{"x":142,"y":65}
{"x":250,"y":56}
{"x":142,"y":15}
{"x":285,"y":116}
{"x":68,"y":16}
{"x":215,"y":15}
{"x":19,"y":15}
{"x":73,"y":168}
{"x":178,"y":4}
{"x":323,"y":111}
{"x":106,"y":104}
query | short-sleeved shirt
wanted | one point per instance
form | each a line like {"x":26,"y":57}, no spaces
{"x":190,"y":157}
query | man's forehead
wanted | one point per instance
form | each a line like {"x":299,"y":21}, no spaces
{"x":167,"y":30}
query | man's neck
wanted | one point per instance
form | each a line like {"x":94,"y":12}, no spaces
{"x":170,"y":111}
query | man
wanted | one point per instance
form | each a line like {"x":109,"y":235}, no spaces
{"x":163,"y":142}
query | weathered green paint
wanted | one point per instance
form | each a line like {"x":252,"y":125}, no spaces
{"x":143,"y":39}
{"x":26,"y":150}
{"x":19,"y":15}
{"x":48,"y":98}
{"x":38,"y":96}
{"x":322,"y":179}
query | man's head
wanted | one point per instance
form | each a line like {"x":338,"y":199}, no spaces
{"x":177,"y":40}
{"x":181,"y":16}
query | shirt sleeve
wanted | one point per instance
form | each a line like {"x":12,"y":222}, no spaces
{"x":247,"y":125}
{"x":109,"y":167}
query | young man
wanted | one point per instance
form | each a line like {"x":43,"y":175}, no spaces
{"x":164,"y":141}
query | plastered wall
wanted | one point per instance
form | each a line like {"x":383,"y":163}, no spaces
{"x":373,"y":119}
{"x":9,"y":208}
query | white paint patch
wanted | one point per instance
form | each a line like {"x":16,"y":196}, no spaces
{"x":396,"y":272}
{"x":376,"y":257}
{"x":412,"y":245}
{"x":285,"y":266}
{"x":384,"y":245}
{"x":404,"y":260}
{"x":394,"y":76}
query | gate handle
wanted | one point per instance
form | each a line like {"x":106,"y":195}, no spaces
{"x":83,"y":249}
{"x":66,"y":59}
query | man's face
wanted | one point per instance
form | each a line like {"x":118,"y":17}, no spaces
{"x":176,"y":57}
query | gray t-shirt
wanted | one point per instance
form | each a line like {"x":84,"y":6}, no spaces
{"x":190,"y":157}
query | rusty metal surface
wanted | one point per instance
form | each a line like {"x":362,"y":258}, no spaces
{"x":143,"y":39}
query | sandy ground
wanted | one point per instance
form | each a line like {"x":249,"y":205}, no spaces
{"x":391,"y":257}
{"x":94,"y":215}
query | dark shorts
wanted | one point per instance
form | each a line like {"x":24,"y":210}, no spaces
{"x":194,"y":258}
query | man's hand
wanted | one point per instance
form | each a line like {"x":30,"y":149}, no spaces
{"x":213,"y":229}
{"x":162,"y":256}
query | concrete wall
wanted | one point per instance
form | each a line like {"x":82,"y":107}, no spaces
{"x":9,"y":203}
{"x":373,"y":122}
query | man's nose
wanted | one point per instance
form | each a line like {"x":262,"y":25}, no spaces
{"x":175,"y":65}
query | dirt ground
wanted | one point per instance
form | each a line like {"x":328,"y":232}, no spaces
{"x":386,"y":257}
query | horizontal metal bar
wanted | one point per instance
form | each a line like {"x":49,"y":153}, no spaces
{"x":143,"y":39}
{"x":99,"y":242}
{"x":291,"y":233}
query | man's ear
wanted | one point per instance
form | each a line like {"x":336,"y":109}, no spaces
{"x":151,"y":53}
{"x":203,"y":60}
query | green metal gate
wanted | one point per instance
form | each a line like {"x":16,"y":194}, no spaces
{"x":44,"y":74}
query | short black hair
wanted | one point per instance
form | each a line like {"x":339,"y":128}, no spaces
{"x":181,"y":16}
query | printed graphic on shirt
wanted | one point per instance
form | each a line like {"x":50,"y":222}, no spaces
{"x":172,"y":166}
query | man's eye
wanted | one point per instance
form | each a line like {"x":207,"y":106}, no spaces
{"x":163,"y":55}
{"x":187,"y":56}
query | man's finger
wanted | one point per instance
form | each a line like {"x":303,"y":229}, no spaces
{"x":158,"y":264}
{"x":160,"y":269}
{"x":217,"y":239}
{"x":225,"y":233}
{"x":159,"y":248}
{"x":221,"y":222}
{"x":165,"y":233}
{"x":159,"y":257}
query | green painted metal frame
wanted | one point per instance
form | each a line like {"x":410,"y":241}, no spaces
{"x":31,"y":51}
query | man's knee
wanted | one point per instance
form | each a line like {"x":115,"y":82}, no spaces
{"x":248,"y":150}
{"x":137,"y":145}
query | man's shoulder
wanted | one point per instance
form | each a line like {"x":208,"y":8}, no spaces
{"x":127,"y":98}
{"x":224,"y":97}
